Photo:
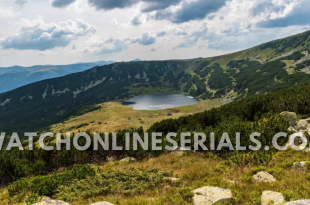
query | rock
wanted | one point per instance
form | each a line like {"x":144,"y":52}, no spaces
{"x":180,"y":151}
{"x":290,"y":117}
{"x":128,"y":159}
{"x":211,"y":195}
{"x":272,"y":198}
{"x":111,"y":159}
{"x":299,"y":165}
{"x":169,"y":114}
{"x":48,"y":201}
{"x":300,"y":202}
{"x":102,"y":203}
{"x":173,"y":179}
{"x":264,"y":177}
{"x":230,"y":181}
{"x":292,"y":129}
{"x":302,"y":125}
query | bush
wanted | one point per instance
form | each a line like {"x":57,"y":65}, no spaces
{"x":126,"y":182}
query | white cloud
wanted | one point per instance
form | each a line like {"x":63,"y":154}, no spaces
{"x":38,"y":35}
{"x":108,"y":46}
{"x":21,"y":2}
{"x":6,"y":12}
{"x":137,"y":20}
{"x":147,"y":38}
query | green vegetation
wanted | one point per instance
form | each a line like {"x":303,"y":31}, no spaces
{"x":47,"y":185}
{"x":127,"y":182}
{"x":256,"y":114}
{"x":264,"y":80}
{"x":246,"y":73}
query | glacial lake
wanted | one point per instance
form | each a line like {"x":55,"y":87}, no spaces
{"x":159,"y":101}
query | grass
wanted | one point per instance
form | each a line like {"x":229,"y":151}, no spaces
{"x":196,"y":171}
{"x":146,"y":186}
{"x":288,"y":67}
{"x":114,"y":116}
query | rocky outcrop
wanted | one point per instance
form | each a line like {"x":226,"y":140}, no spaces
{"x":102,"y":203}
{"x":272,"y":198}
{"x":210,"y":195}
{"x":300,"y":202}
{"x":128,"y":159}
{"x":290,"y":117}
{"x":48,"y":201}
{"x":264,"y":177}
{"x":300,"y":165}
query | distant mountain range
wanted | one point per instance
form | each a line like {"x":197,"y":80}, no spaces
{"x":271,"y":66}
{"x":17,"y":76}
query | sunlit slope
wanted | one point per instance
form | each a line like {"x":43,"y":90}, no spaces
{"x":113,"y":116}
{"x":275,"y":65}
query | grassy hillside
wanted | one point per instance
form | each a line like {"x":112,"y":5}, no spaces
{"x":113,"y":116}
{"x":275,"y":65}
{"x":144,"y":182}
{"x":31,"y":174}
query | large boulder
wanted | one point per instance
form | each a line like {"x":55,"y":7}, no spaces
{"x":48,"y":201}
{"x":210,"y":195}
{"x":272,"y":198}
{"x":264,"y":177}
{"x":300,"y":202}
{"x":102,"y":203}
{"x":290,"y":117}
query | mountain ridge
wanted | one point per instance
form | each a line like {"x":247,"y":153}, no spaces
{"x":18,"y":76}
{"x":274,"y":65}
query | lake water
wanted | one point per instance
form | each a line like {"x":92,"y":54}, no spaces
{"x":159,"y":101}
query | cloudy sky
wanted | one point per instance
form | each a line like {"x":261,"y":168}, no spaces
{"x":69,"y":31}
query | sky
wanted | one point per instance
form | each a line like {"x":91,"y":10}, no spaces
{"x":37,"y":32}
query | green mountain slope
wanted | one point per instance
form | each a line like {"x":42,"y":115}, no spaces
{"x":17,"y":76}
{"x":271,"y":66}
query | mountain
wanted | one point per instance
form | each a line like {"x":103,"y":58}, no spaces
{"x":275,"y":65}
{"x":137,"y":60}
{"x":17,"y":76}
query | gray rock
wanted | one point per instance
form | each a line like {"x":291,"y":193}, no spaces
{"x":299,"y":165}
{"x":180,"y":151}
{"x":300,"y":202}
{"x":48,"y":201}
{"x":111,"y":159}
{"x":264,"y":177}
{"x":272,"y":198}
{"x":290,"y":117}
{"x":211,"y":195}
{"x":302,"y":125}
{"x":172,"y":179}
{"x":128,"y":159}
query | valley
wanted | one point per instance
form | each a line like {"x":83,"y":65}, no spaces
{"x":113,"y":116}
{"x":240,"y":92}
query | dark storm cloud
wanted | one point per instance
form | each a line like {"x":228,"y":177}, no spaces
{"x":61,"y":3}
{"x":112,"y":4}
{"x":188,"y":11}
{"x":148,"y":5}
